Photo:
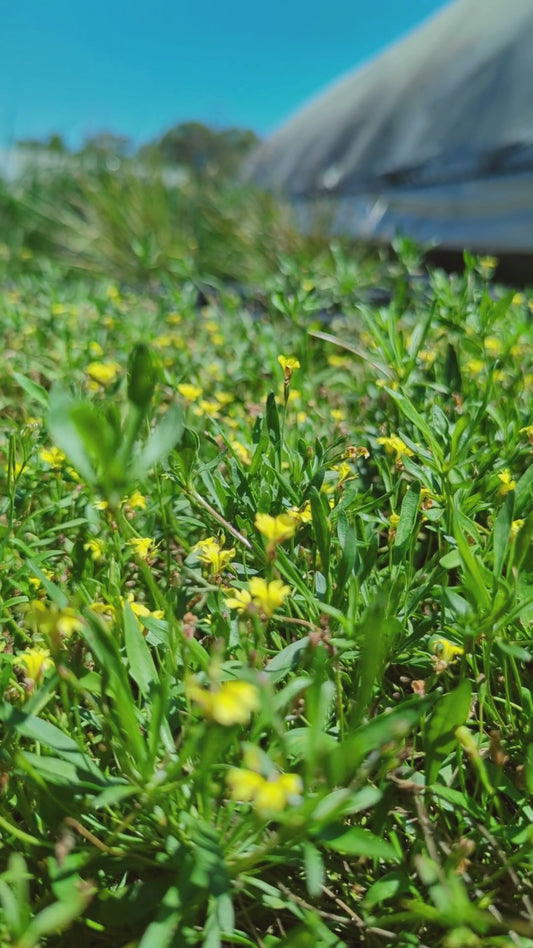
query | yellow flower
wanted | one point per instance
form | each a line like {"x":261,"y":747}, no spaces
{"x":104,"y":609}
{"x":395,"y":446}
{"x":516,"y":526}
{"x":528,"y":430}
{"x":241,"y":452}
{"x":288,"y":364}
{"x":96,"y":548}
{"x":267,"y":796}
{"x":233,"y":703}
{"x":36,"y":661}
{"x":211,"y":554}
{"x":475,"y":366}
{"x":140,"y":610}
{"x":143,"y":547}
{"x":189,"y":392}
{"x":135,"y":501}
{"x":275,"y":529}
{"x":394,"y":520}
{"x":493,"y":346}
{"x":95,"y":349}
{"x":344,"y":471}
{"x":101,"y":505}
{"x":52,"y":456}
{"x":52,"y":621}
{"x":445,"y":650}
{"x":239,"y":600}
{"x":268,"y":596}
{"x":338,"y":415}
{"x":244,"y":784}
{"x":357,"y":451}
{"x":302,"y":515}
{"x":507,"y":482}
{"x":103,"y":373}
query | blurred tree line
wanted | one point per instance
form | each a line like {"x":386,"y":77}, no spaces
{"x":200,"y":149}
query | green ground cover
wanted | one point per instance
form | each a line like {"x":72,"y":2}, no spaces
{"x":267,"y":594}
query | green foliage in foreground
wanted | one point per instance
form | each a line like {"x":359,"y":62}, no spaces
{"x":265,"y":669}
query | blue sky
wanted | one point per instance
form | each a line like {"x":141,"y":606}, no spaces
{"x":136,"y":68}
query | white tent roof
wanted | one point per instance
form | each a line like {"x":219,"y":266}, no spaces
{"x":433,"y":138}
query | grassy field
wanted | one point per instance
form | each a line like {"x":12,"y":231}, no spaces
{"x":266,"y":583}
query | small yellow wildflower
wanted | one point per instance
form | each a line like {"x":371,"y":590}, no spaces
{"x":174,"y":319}
{"x":528,"y":430}
{"x":239,"y":600}
{"x":241,"y":452}
{"x":302,"y":515}
{"x":507,"y":482}
{"x":143,"y":547}
{"x":103,"y":373}
{"x":288,"y":364}
{"x":135,"y":501}
{"x":493,"y":346}
{"x":140,"y":610}
{"x":211,"y":554}
{"x":268,"y":596}
{"x":190,"y":392}
{"x":474,"y":366}
{"x":518,"y":299}
{"x":338,"y":415}
{"x":275,"y":529}
{"x":207,"y":406}
{"x":233,"y":703}
{"x":52,"y":456}
{"x":394,"y":520}
{"x":344,"y":471}
{"x":36,"y":662}
{"x":268,"y":796}
{"x":101,"y":505}
{"x":244,"y":784}
{"x":516,"y":526}
{"x":445,"y":650}
{"x":96,"y":548}
{"x":52,"y":621}
{"x":225,"y":398}
{"x":95,"y":349}
{"x":395,"y":446}
{"x":104,"y":609}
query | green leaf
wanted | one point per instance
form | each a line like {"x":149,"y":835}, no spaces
{"x":450,"y":712}
{"x":502,"y":530}
{"x":142,"y":668}
{"x":376,"y":632}
{"x":406,"y":528}
{"x":272,"y":420}
{"x":523,"y":492}
{"x":357,"y":841}
{"x":408,"y":409}
{"x":185,"y":454}
{"x":285,"y":661}
{"x":34,"y":728}
{"x":35,"y":391}
{"x":161,"y":442}
{"x":321,"y":529}
{"x":142,"y":376}
{"x":314,"y":869}
{"x":65,"y":434}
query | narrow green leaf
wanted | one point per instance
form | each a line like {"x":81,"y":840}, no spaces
{"x":523,"y":491}
{"x":272,"y":420}
{"x":408,"y":409}
{"x":142,"y":668}
{"x":406,"y":528}
{"x":502,"y":530}
{"x":35,"y":391}
{"x":450,"y":712}
{"x":321,"y":530}
{"x":357,"y":841}
{"x":65,"y":434}
{"x":161,"y":441}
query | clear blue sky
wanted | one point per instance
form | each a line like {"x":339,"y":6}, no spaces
{"x":136,"y":68}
